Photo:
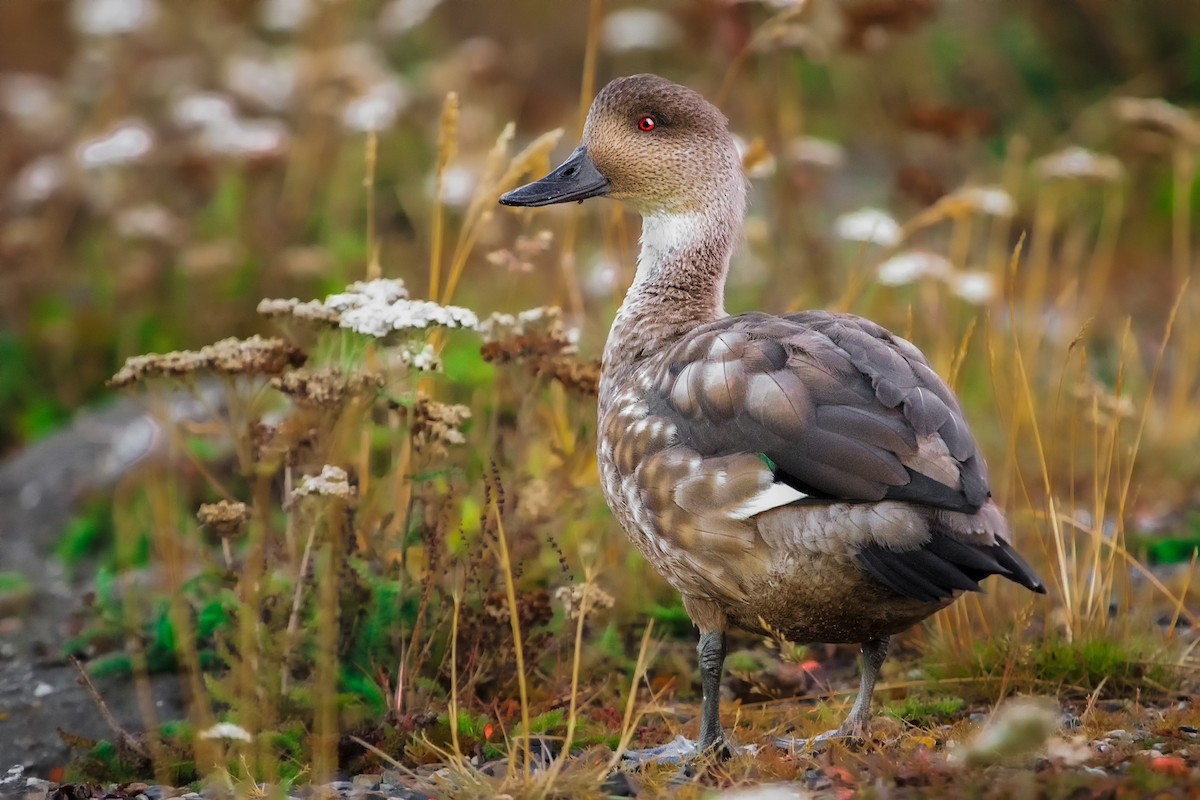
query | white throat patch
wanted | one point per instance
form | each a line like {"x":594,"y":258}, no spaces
{"x":664,"y":235}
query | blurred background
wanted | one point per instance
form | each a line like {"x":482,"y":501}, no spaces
{"x":1011,"y":184}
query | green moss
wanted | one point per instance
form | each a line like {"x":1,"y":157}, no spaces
{"x":926,"y":710}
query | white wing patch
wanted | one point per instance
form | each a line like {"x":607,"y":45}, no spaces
{"x":774,"y":496}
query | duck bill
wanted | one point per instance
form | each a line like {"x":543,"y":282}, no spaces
{"x":575,"y":179}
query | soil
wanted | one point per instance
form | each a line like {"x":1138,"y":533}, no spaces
{"x":40,"y":489}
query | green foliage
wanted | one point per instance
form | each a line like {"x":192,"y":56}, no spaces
{"x":926,"y":711}
{"x":88,"y":534}
{"x":673,"y":618}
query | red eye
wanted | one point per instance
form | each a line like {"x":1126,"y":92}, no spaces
{"x":646,"y":124}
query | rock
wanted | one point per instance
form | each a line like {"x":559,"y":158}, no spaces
{"x":1095,"y":772}
{"x":1119,"y":735}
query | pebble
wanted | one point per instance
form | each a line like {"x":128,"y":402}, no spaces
{"x":1095,"y":772}
{"x":1102,"y":748}
{"x":1189,"y":730}
{"x":1119,"y":735}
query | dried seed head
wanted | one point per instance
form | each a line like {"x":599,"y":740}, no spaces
{"x":224,"y":517}
{"x":572,"y":599}
{"x":435,"y":426}
{"x":1158,"y":115}
{"x":332,"y":482}
{"x":253,"y":356}
{"x":328,"y":387}
{"x":311,"y":311}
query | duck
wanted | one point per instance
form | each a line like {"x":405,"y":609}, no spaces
{"x":808,"y":475}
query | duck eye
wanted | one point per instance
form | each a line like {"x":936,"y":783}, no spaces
{"x":646,"y":123}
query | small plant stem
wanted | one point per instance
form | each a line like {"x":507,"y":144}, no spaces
{"x":374,"y":270}
{"x":447,"y":144}
{"x":576,"y":659}
{"x":510,"y":589}
{"x":124,"y":738}
{"x":454,"y":677}
{"x":294,"y":618}
{"x":325,"y":733}
{"x":628,"y":722}
{"x":1183,"y":170}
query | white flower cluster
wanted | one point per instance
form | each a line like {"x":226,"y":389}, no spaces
{"x":112,"y":17}
{"x":222,"y":132}
{"x":541,"y":321}
{"x":126,"y":143}
{"x":974,"y":286}
{"x":332,"y":482}
{"x":226,"y":731}
{"x":379,"y":307}
{"x":417,"y":355}
{"x":868,"y":225}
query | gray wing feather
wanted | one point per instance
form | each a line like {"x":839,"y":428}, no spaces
{"x":846,"y":410}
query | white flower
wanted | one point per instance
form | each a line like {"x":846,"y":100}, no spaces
{"x":458,"y":186}
{"x":332,"y":482}
{"x":1077,"y":162}
{"x":378,"y":307}
{"x":284,"y":15}
{"x":977,"y":288}
{"x":38,"y":181}
{"x":246,"y":138}
{"x":989,"y":199}
{"x":868,"y":225}
{"x":913,"y":265}
{"x":359,"y":293}
{"x":27,"y":96}
{"x":638,"y":29}
{"x":111,"y":17}
{"x":377,"y":107}
{"x":202,"y":110}
{"x":269,"y":82}
{"x":380,"y":320}
{"x":425,"y":360}
{"x":817,"y":152}
{"x":149,"y":221}
{"x":401,"y":16}
{"x":128,"y":142}
{"x":227,"y":731}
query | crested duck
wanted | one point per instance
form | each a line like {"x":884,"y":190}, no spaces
{"x":805,"y":475}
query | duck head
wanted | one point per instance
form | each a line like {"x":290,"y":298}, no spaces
{"x":657,"y":146}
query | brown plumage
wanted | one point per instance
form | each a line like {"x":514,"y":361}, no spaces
{"x":806,"y":474}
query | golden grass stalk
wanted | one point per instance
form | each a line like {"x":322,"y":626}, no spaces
{"x":374,"y":270}
{"x":576,"y":659}
{"x":510,"y":590}
{"x":447,"y":147}
{"x":629,"y":722}
{"x":535,"y":158}
{"x":454,"y":676}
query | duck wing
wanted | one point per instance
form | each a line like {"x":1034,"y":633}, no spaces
{"x":841,"y":412}
{"x":840,"y":409}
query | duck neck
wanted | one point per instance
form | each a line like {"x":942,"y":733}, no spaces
{"x":680,"y":282}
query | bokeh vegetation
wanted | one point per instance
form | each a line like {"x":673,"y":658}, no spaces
{"x":379,"y":551}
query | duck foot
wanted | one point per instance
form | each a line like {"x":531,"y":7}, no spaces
{"x":675,"y":752}
{"x":819,"y":742}
{"x":683,"y":751}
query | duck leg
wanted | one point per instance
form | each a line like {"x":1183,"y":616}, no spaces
{"x":712,"y":663}
{"x":855,"y":727}
{"x":873,"y":654}
{"x":711,"y":652}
